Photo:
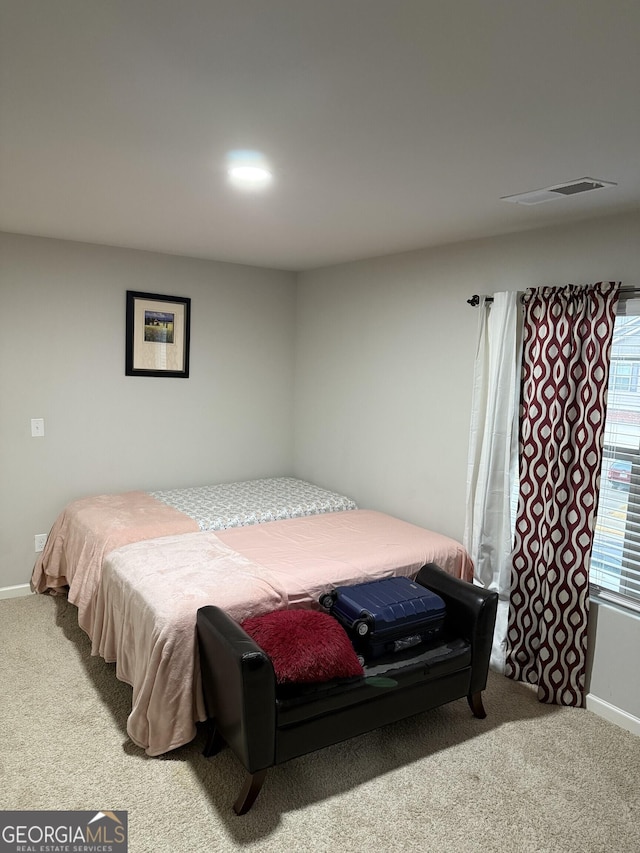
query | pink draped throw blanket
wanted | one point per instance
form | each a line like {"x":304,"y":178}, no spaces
{"x":138,"y":571}
{"x":145,"y":615}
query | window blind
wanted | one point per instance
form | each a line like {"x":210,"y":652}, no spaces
{"x":615,"y":556}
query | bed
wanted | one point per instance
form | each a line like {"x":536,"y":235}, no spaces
{"x":90,"y":528}
{"x":150,"y":592}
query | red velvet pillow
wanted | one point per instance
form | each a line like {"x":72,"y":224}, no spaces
{"x":304,"y":645}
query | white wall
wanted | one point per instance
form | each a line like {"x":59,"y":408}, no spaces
{"x":62,"y":358}
{"x":613,"y":650}
{"x":385,"y":350}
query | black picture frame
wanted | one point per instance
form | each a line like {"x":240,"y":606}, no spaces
{"x":158,"y":329}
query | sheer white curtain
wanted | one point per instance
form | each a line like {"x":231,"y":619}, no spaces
{"x":493,"y":454}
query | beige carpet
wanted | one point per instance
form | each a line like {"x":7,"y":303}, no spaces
{"x":528,"y":778}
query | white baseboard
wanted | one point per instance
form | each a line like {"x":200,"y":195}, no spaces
{"x":613,"y":714}
{"x":18,"y":591}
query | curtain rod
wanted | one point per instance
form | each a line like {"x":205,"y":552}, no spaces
{"x":628,"y":291}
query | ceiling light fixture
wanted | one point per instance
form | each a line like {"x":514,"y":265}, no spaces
{"x":248,"y":170}
{"x":249,"y":175}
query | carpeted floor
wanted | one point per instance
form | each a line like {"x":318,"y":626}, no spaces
{"x":530,"y":777}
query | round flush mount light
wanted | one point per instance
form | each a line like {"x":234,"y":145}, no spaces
{"x":253,"y":176}
{"x":248,"y":170}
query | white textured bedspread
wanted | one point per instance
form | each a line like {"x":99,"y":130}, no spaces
{"x":145,"y":614}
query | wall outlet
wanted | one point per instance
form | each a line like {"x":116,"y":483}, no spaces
{"x":41,"y":541}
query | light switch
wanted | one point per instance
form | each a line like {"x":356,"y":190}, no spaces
{"x":37,"y":427}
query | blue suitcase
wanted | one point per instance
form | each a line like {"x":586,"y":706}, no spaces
{"x":387,"y":615}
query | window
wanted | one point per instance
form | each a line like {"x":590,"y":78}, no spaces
{"x":615,"y":557}
{"x":624,"y":376}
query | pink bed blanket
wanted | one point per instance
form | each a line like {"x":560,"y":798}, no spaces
{"x":145,"y":615}
{"x":90,"y":528}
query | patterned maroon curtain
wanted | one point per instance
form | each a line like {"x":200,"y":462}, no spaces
{"x":565,"y":370}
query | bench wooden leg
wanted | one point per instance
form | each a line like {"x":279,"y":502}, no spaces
{"x":475,"y":703}
{"x":249,"y":792}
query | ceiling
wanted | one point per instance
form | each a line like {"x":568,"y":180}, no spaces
{"x":390,"y":125}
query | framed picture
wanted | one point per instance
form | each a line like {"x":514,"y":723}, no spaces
{"x":157,"y":335}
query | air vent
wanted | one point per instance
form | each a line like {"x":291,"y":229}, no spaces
{"x":582,"y":185}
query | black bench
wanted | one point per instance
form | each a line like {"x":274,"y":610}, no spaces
{"x":265,"y":723}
